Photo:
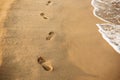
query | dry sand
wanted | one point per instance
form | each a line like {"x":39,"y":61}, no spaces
{"x":63,"y":33}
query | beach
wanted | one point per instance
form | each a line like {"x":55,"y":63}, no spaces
{"x":54,"y":40}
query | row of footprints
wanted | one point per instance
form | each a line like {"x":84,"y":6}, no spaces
{"x":43,"y":14}
{"x":45,"y":64}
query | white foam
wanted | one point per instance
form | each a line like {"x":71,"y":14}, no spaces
{"x":95,"y":9}
{"x":105,"y":36}
{"x":112,"y":35}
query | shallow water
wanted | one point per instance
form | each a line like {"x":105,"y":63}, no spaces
{"x":109,"y":11}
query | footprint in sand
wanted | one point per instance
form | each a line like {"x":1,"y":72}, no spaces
{"x":43,"y":15}
{"x":41,"y":60}
{"x":47,"y":67}
{"x":49,"y":2}
{"x":50,"y":35}
{"x":45,"y":64}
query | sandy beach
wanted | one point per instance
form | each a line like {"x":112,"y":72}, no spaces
{"x":53,"y":40}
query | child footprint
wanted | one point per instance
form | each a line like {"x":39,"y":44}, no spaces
{"x":50,"y":35}
{"x":43,"y":15}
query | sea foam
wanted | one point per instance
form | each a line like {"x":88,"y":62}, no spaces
{"x":109,"y":12}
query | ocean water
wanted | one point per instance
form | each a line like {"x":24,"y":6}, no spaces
{"x":109,"y":12}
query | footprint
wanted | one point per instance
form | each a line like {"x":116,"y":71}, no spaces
{"x":50,"y":35}
{"x":49,"y":2}
{"x":47,"y":67}
{"x":41,"y":60}
{"x":43,"y":15}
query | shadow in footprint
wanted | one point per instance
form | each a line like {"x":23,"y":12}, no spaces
{"x":43,"y":15}
{"x":41,"y":60}
{"x":50,"y":35}
{"x":47,"y":67}
{"x":43,"y":63}
{"x":49,"y":2}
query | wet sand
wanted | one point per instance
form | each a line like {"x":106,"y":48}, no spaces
{"x":64,"y":34}
{"x":4,"y":6}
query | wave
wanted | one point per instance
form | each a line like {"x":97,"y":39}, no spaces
{"x":109,"y":12}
